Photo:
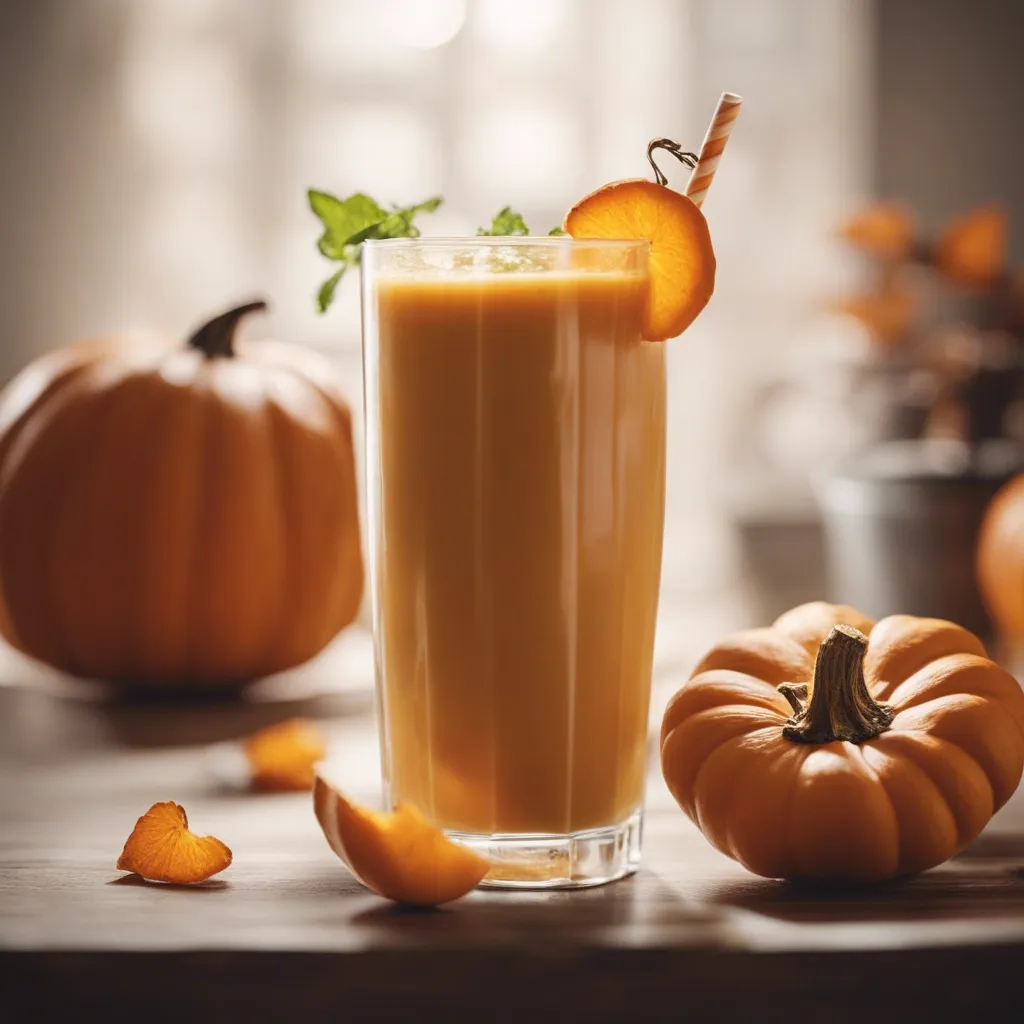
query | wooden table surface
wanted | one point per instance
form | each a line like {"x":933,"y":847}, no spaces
{"x":286,"y":934}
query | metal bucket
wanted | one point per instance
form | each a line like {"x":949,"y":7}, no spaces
{"x":901,"y":528}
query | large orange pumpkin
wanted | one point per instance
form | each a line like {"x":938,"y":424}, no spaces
{"x":177,"y":515}
{"x":894,"y":758}
{"x":1001,"y":560}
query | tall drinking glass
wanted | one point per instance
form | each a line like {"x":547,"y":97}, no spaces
{"x":516,"y":482}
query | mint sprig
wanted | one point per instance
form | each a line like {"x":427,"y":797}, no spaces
{"x":347,"y":223}
{"x":350,"y":222}
{"x":506,"y":222}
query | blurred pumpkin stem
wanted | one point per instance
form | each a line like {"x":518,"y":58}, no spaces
{"x":217,"y":338}
{"x":690,"y":159}
{"x":840,"y":706}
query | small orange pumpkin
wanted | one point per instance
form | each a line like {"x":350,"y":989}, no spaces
{"x":1001,"y":560}
{"x":177,"y":515}
{"x":892,"y":760}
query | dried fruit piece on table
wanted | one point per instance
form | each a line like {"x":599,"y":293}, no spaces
{"x":162,"y":849}
{"x":282,"y":757}
{"x":885,"y":230}
{"x":681,"y":265}
{"x":833,"y":748}
{"x":972,"y":249}
{"x":397,"y":854}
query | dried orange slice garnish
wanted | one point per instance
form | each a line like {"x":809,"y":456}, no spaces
{"x":162,"y":849}
{"x":398,"y":855}
{"x":972,"y":249}
{"x":681,"y":265}
{"x":282,"y":756}
{"x":885,"y":230}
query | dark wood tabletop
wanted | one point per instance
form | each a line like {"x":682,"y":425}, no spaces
{"x":286,"y":934}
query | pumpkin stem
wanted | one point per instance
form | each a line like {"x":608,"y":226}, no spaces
{"x":217,"y":338}
{"x":841,"y":707}
{"x":796,"y":694}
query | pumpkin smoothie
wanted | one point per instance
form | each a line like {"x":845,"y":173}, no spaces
{"x":516,"y":467}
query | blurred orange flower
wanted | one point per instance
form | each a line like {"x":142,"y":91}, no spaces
{"x":972,"y":249}
{"x":885,"y":230}
{"x":886,"y":315}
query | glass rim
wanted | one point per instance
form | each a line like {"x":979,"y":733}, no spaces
{"x":489,"y":241}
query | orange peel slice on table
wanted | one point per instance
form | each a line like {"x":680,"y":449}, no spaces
{"x":161,"y":848}
{"x":398,"y":854}
{"x":283,"y":757}
{"x":681,"y":264}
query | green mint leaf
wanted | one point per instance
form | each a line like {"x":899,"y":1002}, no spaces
{"x":394,"y":225}
{"x":557,"y":230}
{"x":427,"y":206}
{"x":345,"y":221}
{"x":506,"y":222}
{"x":325,"y":296}
{"x":399,"y":223}
{"x":350,"y":222}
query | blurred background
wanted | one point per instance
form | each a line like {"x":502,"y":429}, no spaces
{"x":840,"y":416}
{"x":156,"y":155}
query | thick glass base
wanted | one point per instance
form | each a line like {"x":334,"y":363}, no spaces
{"x":576,"y":860}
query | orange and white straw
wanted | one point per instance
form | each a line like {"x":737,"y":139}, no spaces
{"x":714,"y":143}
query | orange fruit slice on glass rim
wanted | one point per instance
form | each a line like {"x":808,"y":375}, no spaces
{"x":162,"y":849}
{"x":681,"y":264}
{"x":398,"y":855}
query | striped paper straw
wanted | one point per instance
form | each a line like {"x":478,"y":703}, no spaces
{"x":714,"y":143}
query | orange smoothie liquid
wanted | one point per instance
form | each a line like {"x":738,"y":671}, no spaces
{"x":520,"y":511}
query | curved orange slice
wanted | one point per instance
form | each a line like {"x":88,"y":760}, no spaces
{"x":162,"y":849}
{"x":681,"y":263}
{"x":282,"y":757}
{"x":972,"y":249}
{"x":398,"y":855}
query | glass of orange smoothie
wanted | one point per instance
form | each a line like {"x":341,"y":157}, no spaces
{"x":516,"y":480}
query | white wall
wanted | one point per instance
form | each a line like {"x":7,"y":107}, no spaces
{"x":157,"y":155}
